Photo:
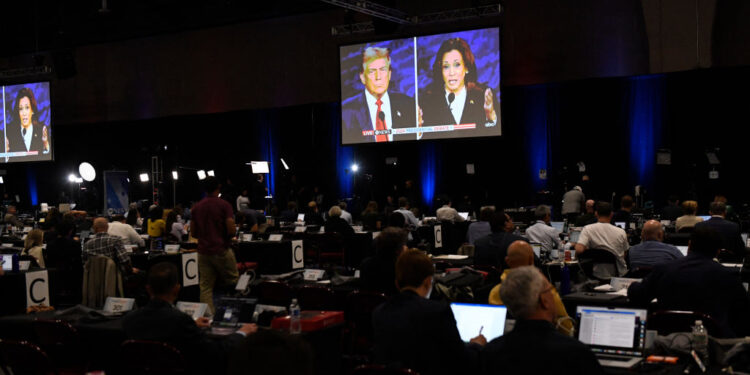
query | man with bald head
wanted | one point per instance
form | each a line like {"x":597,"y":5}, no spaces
{"x":107,"y":245}
{"x":589,"y":217}
{"x":652,"y":251}
{"x":521,"y":254}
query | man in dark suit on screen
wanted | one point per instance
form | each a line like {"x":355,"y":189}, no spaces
{"x":376,"y":110}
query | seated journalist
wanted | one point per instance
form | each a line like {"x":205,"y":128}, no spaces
{"x":159,"y":320}
{"x":414,"y":332}
{"x":533,"y":346}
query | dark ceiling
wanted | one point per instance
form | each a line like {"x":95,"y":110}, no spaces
{"x":43,"y":25}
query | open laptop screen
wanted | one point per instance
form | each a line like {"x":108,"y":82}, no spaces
{"x":7,"y":262}
{"x":574,"y":235}
{"x":559,"y":225}
{"x":472,"y":318}
{"x":612,"y":330}
{"x":464,"y":215}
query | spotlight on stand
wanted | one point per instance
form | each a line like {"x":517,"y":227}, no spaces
{"x":175,"y":176}
{"x":201,"y":174}
{"x":355,"y":167}
{"x":87,"y":171}
{"x":71,"y":178}
{"x":144,"y":177}
{"x":211,"y":173}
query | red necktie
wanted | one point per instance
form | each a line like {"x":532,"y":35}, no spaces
{"x":379,"y":124}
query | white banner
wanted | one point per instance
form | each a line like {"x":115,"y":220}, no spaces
{"x":298,"y":255}
{"x":438,"y":236}
{"x":190,"y":269}
{"x":37,"y":288}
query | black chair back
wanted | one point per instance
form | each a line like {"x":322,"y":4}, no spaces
{"x":275,"y":293}
{"x":23,"y":357}
{"x":151,"y":357}
{"x":62,"y":343}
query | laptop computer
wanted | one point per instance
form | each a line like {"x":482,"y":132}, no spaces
{"x":559,"y":225}
{"x":617,"y":336}
{"x":620,"y":224}
{"x":537,"y":248}
{"x":7,"y":261}
{"x":574,"y":235}
{"x":683,"y":249}
{"x":473,"y":319}
{"x":231,"y":313}
{"x":464,"y":215}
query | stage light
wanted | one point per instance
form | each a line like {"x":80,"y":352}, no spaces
{"x":355,"y":167}
{"x":210,"y":173}
{"x":1,"y":180}
{"x":71,"y":178}
{"x":144,"y":177}
{"x":201,"y":174}
{"x":175,"y":176}
{"x":87,"y":171}
{"x":79,"y":180}
{"x":284,"y":164}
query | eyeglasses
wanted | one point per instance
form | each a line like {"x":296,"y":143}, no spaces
{"x":547,"y":289}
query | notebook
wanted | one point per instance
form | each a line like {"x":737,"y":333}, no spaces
{"x":617,"y":336}
{"x":473,"y":318}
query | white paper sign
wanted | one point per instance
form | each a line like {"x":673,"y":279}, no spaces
{"x":275,"y":237}
{"x":37,"y":288}
{"x":438,"y":229}
{"x":190,"y":269}
{"x":130,"y":248}
{"x":7,"y":245}
{"x":313,"y":275}
{"x":172,"y":248}
{"x":27,"y":229}
{"x":115,"y":305}
{"x":194,"y":309}
{"x":242,"y":282}
{"x":619,"y":283}
{"x":299,"y":229}
{"x":298,"y":255}
{"x":247,"y":237}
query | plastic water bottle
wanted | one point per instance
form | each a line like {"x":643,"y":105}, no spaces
{"x":295,"y":323}
{"x":700,"y":341}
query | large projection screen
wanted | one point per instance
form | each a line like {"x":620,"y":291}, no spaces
{"x":427,"y":87}
{"x":26,"y":123}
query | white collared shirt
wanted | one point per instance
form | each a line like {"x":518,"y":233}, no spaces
{"x":385,"y":106}
{"x":28,"y":136}
{"x":457,"y":107}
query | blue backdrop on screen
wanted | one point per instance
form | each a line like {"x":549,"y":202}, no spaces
{"x":402,"y":67}
{"x":43,"y":116}
{"x":485,"y":45}
{"x":412,"y":60}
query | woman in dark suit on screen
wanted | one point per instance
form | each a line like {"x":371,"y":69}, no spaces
{"x":25,"y":133}
{"x":455,"y":97}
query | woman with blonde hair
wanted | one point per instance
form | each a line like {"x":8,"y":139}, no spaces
{"x":33,"y":246}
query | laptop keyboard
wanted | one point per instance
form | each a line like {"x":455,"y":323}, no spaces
{"x":613,"y":358}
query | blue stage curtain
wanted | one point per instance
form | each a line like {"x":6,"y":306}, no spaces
{"x":344,"y":158}
{"x":645,"y":103}
{"x":31,"y":179}
{"x":429,"y":170}
{"x":536,"y":133}
{"x":268,"y":141}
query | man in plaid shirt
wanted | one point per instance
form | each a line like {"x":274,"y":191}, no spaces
{"x":107,"y":245}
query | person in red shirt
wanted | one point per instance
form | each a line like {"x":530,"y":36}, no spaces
{"x":213,"y":226}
